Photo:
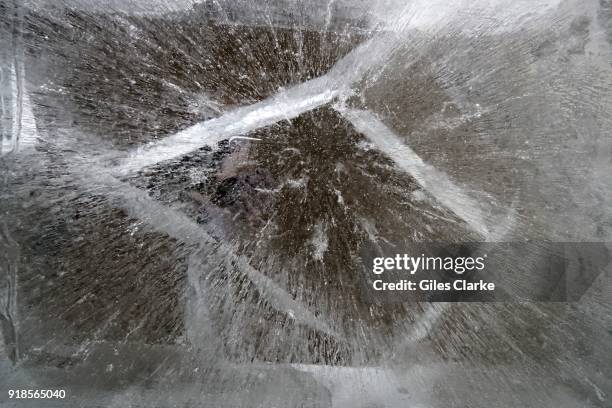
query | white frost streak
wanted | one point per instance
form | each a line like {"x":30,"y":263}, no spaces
{"x":434,"y":181}
{"x":284,"y":106}
{"x":22,"y":135}
{"x":164,"y":219}
{"x":28,"y":136}
{"x":319,"y":242}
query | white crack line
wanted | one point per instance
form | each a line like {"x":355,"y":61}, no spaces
{"x":164,"y":219}
{"x":437,"y":183}
{"x":284,"y":106}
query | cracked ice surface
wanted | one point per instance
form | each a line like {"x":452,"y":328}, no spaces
{"x":189,"y":187}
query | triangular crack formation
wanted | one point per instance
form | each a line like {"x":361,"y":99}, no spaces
{"x":302,"y":204}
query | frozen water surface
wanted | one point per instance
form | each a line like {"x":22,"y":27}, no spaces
{"x":188,"y":188}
